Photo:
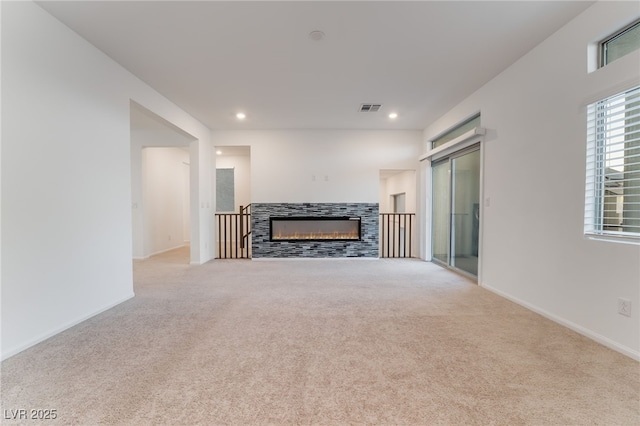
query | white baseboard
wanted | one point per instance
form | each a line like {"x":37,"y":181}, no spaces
{"x":32,"y":342}
{"x":166,"y":250}
{"x":625,"y":350}
{"x":159,"y":252}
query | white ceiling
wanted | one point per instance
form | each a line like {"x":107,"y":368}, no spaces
{"x":216,"y":58}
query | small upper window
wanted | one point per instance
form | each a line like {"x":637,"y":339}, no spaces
{"x":458,"y":130}
{"x":620,"y":44}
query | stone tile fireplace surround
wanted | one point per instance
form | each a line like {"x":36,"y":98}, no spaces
{"x":264,"y":247}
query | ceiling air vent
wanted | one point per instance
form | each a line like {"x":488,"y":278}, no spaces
{"x":369,"y":107}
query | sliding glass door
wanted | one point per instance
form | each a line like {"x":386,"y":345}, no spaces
{"x":441,"y":213}
{"x":456,"y":210}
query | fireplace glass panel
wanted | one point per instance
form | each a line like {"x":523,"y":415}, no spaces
{"x":315,"y":228}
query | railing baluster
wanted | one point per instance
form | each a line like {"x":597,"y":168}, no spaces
{"x":396,"y":235}
{"x":223,"y":220}
{"x":385,"y":236}
{"x":241,"y":228}
{"x":401,"y":235}
{"x":248,"y":228}
{"x":243,"y":246}
{"x":233,"y":228}
{"x":237,"y":219}
{"x":388,"y":235}
{"x":410,"y":233}
{"x":225,"y":236}
{"x":404,"y":237}
{"x":219,"y":236}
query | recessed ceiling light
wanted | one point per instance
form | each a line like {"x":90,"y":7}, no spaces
{"x":241,"y":116}
{"x":316,"y":35}
{"x":218,"y":152}
{"x":393,"y":115}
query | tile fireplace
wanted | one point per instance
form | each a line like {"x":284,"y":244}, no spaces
{"x":282,"y":230}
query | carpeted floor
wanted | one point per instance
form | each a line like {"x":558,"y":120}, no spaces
{"x":326,"y":342}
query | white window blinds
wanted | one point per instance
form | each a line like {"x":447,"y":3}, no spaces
{"x":612,"y":205}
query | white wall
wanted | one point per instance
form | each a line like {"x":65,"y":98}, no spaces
{"x":241,"y":164}
{"x":322,"y":165}
{"x":402,"y":182}
{"x":533,"y":249}
{"x":165,"y":191}
{"x":66,"y":180}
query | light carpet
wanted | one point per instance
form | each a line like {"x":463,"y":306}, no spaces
{"x":318,"y":342}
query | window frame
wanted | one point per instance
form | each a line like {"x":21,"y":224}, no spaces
{"x":602,"y":46}
{"x":435,"y":142}
{"x":601,"y":136}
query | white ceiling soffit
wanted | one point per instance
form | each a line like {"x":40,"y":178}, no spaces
{"x":215,"y":58}
{"x":233,"y":151}
{"x":151,"y":130}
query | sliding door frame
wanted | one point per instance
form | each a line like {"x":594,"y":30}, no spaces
{"x":463,"y":144}
{"x":449,"y":159}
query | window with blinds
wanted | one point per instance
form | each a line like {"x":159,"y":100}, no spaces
{"x":612,"y":206}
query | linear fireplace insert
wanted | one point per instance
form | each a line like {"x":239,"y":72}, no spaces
{"x":320,"y":228}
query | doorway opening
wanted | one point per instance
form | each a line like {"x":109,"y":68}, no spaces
{"x":233,"y":202}
{"x":397,"y":214}
{"x":160,"y":186}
